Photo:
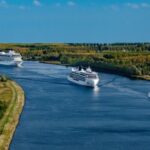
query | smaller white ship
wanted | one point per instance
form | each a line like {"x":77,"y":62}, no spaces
{"x":84,"y":77}
{"x":10,"y":58}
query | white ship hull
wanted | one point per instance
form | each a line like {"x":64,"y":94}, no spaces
{"x":89,"y":83}
{"x":10,"y":58}
{"x":11,"y":63}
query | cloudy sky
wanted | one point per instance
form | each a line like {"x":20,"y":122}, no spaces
{"x":75,"y":21}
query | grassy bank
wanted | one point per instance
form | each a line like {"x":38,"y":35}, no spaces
{"x":12,"y":101}
{"x":51,"y":62}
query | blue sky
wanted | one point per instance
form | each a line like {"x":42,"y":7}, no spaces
{"x":75,"y":21}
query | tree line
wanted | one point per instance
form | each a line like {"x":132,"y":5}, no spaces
{"x":129,"y":59}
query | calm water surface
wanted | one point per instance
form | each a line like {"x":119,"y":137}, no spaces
{"x":59,"y":115}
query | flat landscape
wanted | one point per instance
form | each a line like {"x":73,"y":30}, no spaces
{"x":127,"y":59}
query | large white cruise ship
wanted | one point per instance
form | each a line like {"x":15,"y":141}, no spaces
{"x":84,"y":77}
{"x":10,"y":58}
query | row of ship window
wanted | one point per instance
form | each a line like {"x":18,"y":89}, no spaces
{"x":77,"y":77}
{"x":9,"y":55}
{"x":84,"y":75}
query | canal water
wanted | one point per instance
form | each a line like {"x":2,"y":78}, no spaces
{"x":59,"y":115}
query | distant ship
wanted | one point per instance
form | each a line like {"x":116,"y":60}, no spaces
{"x":84,"y":77}
{"x":10,"y":58}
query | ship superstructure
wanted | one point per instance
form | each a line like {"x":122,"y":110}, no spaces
{"x":10,"y":58}
{"x":84,"y":77}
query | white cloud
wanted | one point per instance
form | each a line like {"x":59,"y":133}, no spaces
{"x":145,"y":5}
{"x":71,"y":3}
{"x":115,"y":7}
{"x":22,"y":7}
{"x":58,"y":4}
{"x":138,"y":5}
{"x":3,"y":3}
{"x":133,"y":5}
{"x":37,"y":3}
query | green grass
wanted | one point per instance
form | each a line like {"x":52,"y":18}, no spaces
{"x":5,"y":97}
{"x":11,"y":95}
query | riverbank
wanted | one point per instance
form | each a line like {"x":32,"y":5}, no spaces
{"x":12,"y":95}
{"x":144,"y":77}
{"x":138,"y":77}
{"x":51,"y":62}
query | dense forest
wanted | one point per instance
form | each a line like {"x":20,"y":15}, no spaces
{"x":128,"y":59}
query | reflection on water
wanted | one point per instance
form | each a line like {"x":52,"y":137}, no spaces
{"x":96,"y":91}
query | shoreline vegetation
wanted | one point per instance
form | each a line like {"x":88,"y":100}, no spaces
{"x":138,"y":77}
{"x":11,"y":106}
{"x":127,"y":59}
